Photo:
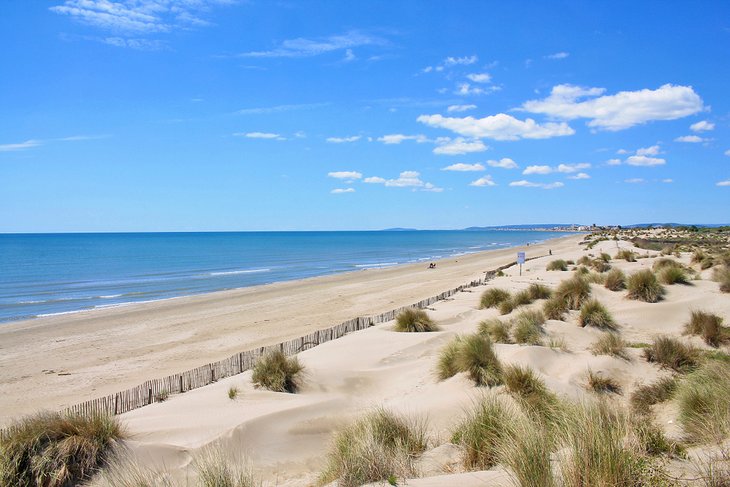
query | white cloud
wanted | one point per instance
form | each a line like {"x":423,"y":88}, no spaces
{"x":464,"y":167}
{"x":260,"y":135}
{"x":580,"y":175}
{"x":727,"y":152}
{"x":648,"y":151}
{"x":342,"y":140}
{"x":558,"y":55}
{"x":406,"y":179}
{"x":398,"y":138}
{"x":459,"y":146}
{"x":614,"y":162}
{"x":28,"y":144}
{"x":645,"y":161}
{"x":460,"y":108}
{"x":634,"y":180}
{"x":702,"y":126}
{"x":667,"y":180}
{"x":349,"y":56}
{"x":301,"y":47}
{"x":465,"y":89}
{"x":570,"y":168}
{"x":693,"y":139}
{"x":620,"y":111}
{"x":342,"y":190}
{"x":465,"y":61}
{"x":280,"y":108}
{"x":374,"y":180}
{"x":479,"y":77}
{"x":537,"y":170}
{"x":483,"y":181}
{"x":724,"y":183}
{"x":433,"y":189}
{"x":345,"y":175}
{"x":497,"y":127}
{"x":134,"y":43}
{"x":504,"y":163}
{"x":529,"y":184}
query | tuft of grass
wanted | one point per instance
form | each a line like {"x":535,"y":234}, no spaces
{"x":557,"y":265}
{"x":492,"y":298}
{"x":707,"y":263}
{"x":593,"y":313}
{"x":615,"y":280}
{"x":162,"y":396}
{"x":527,"y":452}
{"x":596,"y":382}
{"x":528,"y":327}
{"x":522,"y":298}
{"x":610,"y":344}
{"x":507,"y":306}
{"x":559,"y":343}
{"x":647,"y":395}
{"x":573,"y":292}
{"x":476,"y":357}
{"x":582,"y":271}
{"x":651,"y":440}
{"x":595,"y":278}
{"x":703,"y":399}
{"x":482,"y":431}
{"x":554,"y":309}
{"x":446,"y":366}
{"x":698,"y":256}
{"x":584,"y":260}
{"x":380,"y":446}
{"x":626,"y":255}
{"x":124,"y":471}
{"x":673,"y":275}
{"x":531,"y":393}
{"x":644,"y":286}
{"x":413,"y":320}
{"x":55,"y":449}
{"x":232,"y":392}
{"x":539,"y":291}
{"x":722,"y":275}
{"x":600,"y":265}
{"x":496,"y":329}
{"x":709,"y":327}
{"x":216,"y":470}
{"x":672,"y":354}
{"x":605,"y":257}
{"x":277,"y":372}
{"x":665,"y":262}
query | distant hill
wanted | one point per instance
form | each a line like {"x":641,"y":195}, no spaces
{"x":520,"y":227}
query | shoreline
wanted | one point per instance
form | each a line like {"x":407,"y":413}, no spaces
{"x":67,"y":359}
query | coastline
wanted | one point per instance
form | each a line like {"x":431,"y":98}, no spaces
{"x":69,"y":358}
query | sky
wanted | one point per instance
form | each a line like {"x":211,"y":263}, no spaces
{"x":234,"y":115}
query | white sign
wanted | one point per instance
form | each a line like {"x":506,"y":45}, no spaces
{"x":520,"y":257}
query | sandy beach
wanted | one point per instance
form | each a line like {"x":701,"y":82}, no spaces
{"x":56,"y":361}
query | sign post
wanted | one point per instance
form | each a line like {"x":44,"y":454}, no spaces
{"x":520,"y":260}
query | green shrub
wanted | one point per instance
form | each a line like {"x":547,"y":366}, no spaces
{"x":415,"y":321}
{"x":476,"y":357}
{"x":615,"y":280}
{"x":539,"y":291}
{"x":491,"y":298}
{"x":593,"y":313}
{"x":709,"y":327}
{"x":626,"y":255}
{"x":573,"y":292}
{"x":482,"y":432}
{"x":557,"y":265}
{"x":648,"y":395}
{"x":673,"y":275}
{"x":496,"y":329}
{"x":598,"y":383}
{"x":704,"y":402}
{"x":528,"y":327}
{"x":55,"y":449}
{"x":554,"y":308}
{"x":378,"y":447}
{"x":672,"y":354}
{"x":277,"y":372}
{"x":643,"y":286}
{"x":610,"y":344}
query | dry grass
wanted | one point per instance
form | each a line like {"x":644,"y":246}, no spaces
{"x":644,"y":286}
{"x":491,"y":298}
{"x":507,"y":306}
{"x":605,"y":257}
{"x":522,"y":298}
{"x":672,"y":354}
{"x":596,"y":382}
{"x":584,"y":260}
{"x":554,"y":309}
{"x":483,"y":430}
{"x":56,"y":450}
{"x":527,"y":453}
{"x":722,"y":275}
{"x":124,"y":471}
{"x":474,"y":355}
{"x":557,"y":265}
{"x":528,"y":327}
{"x":599,"y":265}
{"x":216,"y":470}
{"x":610,"y":344}
{"x":573,"y":292}
{"x":277,"y":372}
{"x":446,"y":366}
{"x":673,"y":275}
{"x":626,"y":255}
{"x":413,"y":320}
{"x":709,"y":327}
{"x":378,"y":447}
{"x":704,"y":402}
{"x":539,"y":291}
{"x":532,"y":394}
{"x":593,"y":313}
{"x":496,"y":329}
{"x":615,"y":280}
{"x":647,"y":395}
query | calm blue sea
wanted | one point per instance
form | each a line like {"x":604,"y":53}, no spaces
{"x":45,"y":274}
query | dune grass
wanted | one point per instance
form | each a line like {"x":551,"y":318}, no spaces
{"x":380,"y":446}
{"x":539,"y":291}
{"x":722,"y":276}
{"x":597,"y":382}
{"x":527,"y":327}
{"x":573,"y":292}
{"x":277,"y":372}
{"x":673,"y":275}
{"x":232,"y":393}
{"x":55,"y":449}
{"x":593,"y":313}
{"x":703,"y":399}
{"x":644,"y":286}
{"x":527,"y":453}
{"x":483,"y":430}
{"x":507,"y":306}
{"x":600,"y":265}
{"x":125,"y":471}
{"x":531,"y":394}
{"x":413,"y":320}
{"x":626,"y":255}
{"x":491,"y":298}
{"x":446,"y":365}
{"x":610,"y":344}
{"x":496,"y":329}
{"x":216,"y":470}
{"x":615,"y":280}
{"x":605,"y":257}
{"x":554,"y":309}
{"x":584,"y":260}
{"x":698,"y":256}
{"x":474,"y":355}
{"x":647,"y":395}
{"x":665,"y":262}
{"x":672,"y":354}
{"x":709,"y":327}
{"x":557,"y":265}
{"x":522,"y":298}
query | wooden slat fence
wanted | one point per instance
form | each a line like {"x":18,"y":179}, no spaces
{"x":157,"y":390}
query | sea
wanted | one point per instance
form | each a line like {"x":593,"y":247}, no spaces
{"x":51,"y":274}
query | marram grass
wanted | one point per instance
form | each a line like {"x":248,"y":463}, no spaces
{"x":277,"y":372}
{"x":414,"y":321}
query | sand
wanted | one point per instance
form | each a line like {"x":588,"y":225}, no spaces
{"x":56,"y":361}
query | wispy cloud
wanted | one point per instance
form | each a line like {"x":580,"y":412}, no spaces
{"x":529,"y":184}
{"x":692,"y":139}
{"x":460,"y":108}
{"x":302,"y":47}
{"x":260,"y":135}
{"x":31,"y":143}
{"x":504,"y":163}
{"x":343,"y":140}
{"x":345,"y":175}
{"x":28,"y":144}
{"x":461,"y":167}
{"x":702,"y":126}
{"x":391,"y":139}
{"x":483,"y":181}
{"x":724,"y":183}
{"x":634,"y":180}
{"x":406,"y":179}
{"x":558,"y":55}
{"x":280,"y":108}
{"x":580,"y":175}
{"x":342,"y":190}
{"x":459,"y":146}
{"x":479,"y":77}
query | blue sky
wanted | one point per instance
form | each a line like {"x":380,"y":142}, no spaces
{"x":196,"y":115}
